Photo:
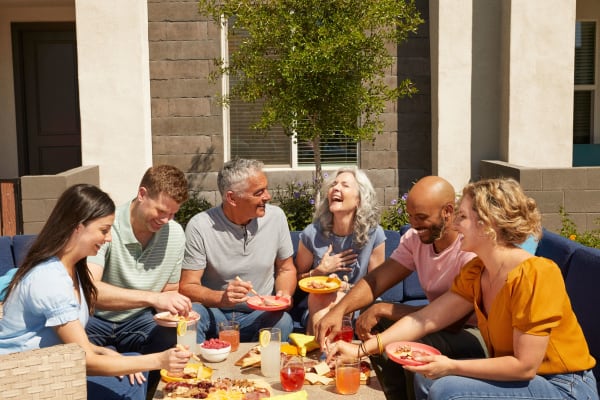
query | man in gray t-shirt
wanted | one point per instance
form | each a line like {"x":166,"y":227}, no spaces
{"x":245,"y":237}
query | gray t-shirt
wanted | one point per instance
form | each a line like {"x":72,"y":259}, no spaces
{"x":225,"y":250}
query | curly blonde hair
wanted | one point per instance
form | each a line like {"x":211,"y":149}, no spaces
{"x":508,"y":213}
{"x":366,"y":217}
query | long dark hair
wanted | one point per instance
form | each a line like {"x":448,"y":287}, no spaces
{"x":79,"y":204}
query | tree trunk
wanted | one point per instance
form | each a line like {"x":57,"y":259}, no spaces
{"x":318,"y":172}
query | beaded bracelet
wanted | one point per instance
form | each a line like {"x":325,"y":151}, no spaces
{"x":379,"y":343}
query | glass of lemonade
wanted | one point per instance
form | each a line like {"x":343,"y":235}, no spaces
{"x":186,"y":335}
{"x":270,"y":351}
{"x":229,"y":331}
{"x":347,"y":375}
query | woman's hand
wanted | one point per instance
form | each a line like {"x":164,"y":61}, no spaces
{"x":340,"y":348}
{"x":175,"y":359}
{"x":331,"y":264}
{"x":437,"y":366}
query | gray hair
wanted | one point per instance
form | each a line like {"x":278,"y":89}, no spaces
{"x":235,"y":173}
{"x":367,"y":214}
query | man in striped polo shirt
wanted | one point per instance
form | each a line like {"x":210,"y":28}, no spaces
{"x":137,"y":274}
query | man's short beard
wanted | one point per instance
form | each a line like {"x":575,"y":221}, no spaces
{"x":437,"y":231}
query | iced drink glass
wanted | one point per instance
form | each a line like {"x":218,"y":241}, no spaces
{"x":229,"y":331}
{"x":347,"y":375}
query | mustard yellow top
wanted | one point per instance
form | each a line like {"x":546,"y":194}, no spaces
{"x":535,"y":301}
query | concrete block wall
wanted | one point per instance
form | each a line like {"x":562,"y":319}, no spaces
{"x":187,"y":125}
{"x":39,"y":193}
{"x":576,"y":189}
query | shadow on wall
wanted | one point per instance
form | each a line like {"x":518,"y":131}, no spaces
{"x":201,"y":164}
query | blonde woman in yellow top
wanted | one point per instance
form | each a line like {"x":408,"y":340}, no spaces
{"x":536,"y":346}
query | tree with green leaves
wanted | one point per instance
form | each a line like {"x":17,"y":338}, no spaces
{"x":317,"y":66}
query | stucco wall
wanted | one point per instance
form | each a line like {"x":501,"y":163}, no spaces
{"x":577,"y":190}
{"x":40,"y":193}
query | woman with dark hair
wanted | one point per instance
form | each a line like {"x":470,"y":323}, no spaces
{"x":536,"y":347}
{"x":51,"y":296}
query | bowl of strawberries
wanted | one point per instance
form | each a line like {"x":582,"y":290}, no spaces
{"x":215,"y":350}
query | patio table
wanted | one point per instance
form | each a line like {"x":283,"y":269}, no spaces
{"x":370,"y":391}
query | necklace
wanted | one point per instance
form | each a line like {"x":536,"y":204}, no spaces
{"x":499,"y":274}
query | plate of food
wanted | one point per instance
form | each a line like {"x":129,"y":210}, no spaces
{"x":268,"y":303}
{"x":320,"y":284}
{"x":405,"y":352}
{"x":193,"y":372}
{"x":222,"y":388}
{"x":171,"y":320}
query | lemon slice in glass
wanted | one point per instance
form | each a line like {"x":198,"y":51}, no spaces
{"x":181,"y":327}
{"x":264,"y":338}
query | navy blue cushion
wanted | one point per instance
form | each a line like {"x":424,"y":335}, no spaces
{"x":395,"y":293}
{"x":557,"y":248}
{"x":21,"y":245}
{"x":6,"y":259}
{"x":582,"y":286}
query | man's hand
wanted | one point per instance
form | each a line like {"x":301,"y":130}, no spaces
{"x":367,"y":320}
{"x":235,"y":293}
{"x":328,"y":327}
{"x":173,"y":302}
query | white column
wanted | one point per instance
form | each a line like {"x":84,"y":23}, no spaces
{"x":114,"y":90}
{"x":451,"y":70}
{"x":538,"y":118}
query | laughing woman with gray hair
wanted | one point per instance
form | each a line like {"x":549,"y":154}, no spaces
{"x":344,"y":240}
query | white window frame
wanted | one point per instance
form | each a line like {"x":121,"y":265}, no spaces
{"x":595,"y":88}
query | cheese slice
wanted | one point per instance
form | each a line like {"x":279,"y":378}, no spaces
{"x":322,"y":368}
{"x":314,"y":379}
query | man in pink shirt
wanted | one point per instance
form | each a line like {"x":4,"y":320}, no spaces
{"x":432,"y":248}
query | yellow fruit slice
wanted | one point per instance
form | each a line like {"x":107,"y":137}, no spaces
{"x":264,"y":338}
{"x":289,"y":349}
{"x":181,"y":327}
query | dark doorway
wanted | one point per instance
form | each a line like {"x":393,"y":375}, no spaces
{"x":47,"y":97}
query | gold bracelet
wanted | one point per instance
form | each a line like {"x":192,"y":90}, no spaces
{"x":379,"y":343}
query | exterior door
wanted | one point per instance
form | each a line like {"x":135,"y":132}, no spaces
{"x":47,"y":97}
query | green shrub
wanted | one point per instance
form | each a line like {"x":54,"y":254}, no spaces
{"x":297,"y":201}
{"x":569,"y":230}
{"x":395,"y":216}
{"x":191,"y":207}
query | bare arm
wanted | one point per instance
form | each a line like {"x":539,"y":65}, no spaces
{"x":437,"y":315}
{"x":361,"y":295}
{"x":285,"y":277}
{"x":304,"y":261}
{"x":107,"y":363}
{"x":111,"y":297}
{"x":377,"y":257}
{"x":529,"y":352}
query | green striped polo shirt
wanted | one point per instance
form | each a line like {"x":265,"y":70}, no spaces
{"x":128,"y":265}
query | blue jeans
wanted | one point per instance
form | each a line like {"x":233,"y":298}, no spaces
{"x":139,"y":334}
{"x":396,"y":382}
{"x":114,"y":388}
{"x":250,"y":322}
{"x":576,"y":386}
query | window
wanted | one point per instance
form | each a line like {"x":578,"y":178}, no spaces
{"x":585,"y":127}
{"x":275,"y":149}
